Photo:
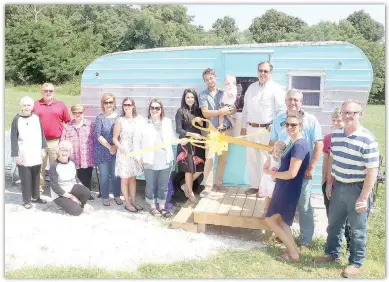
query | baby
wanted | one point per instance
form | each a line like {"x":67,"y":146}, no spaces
{"x":267,"y":184}
{"x":228,"y":98}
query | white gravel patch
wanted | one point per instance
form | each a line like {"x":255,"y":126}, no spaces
{"x":102,"y":237}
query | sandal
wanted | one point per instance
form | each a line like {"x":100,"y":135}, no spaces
{"x":193,"y":199}
{"x":106,"y":203}
{"x":131,"y":209}
{"x":118,"y":201}
{"x":155,"y":212}
{"x":205,"y":192}
{"x":286,"y":257}
{"x":139,"y":208}
{"x":220,"y":188}
{"x":166,"y":214}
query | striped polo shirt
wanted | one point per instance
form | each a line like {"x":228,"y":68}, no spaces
{"x":353,"y":155}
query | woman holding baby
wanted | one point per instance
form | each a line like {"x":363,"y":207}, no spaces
{"x":289,"y":178}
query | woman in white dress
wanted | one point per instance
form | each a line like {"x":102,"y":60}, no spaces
{"x":127,"y":168}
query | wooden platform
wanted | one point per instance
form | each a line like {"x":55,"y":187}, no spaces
{"x":231,"y":208}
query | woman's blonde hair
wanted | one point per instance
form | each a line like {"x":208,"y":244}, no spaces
{"x":105,"y":97}
{"x":77,"y":107}
{"x":336,"y":113}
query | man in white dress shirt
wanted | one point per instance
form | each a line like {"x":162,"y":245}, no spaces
{"x":263,"y":101}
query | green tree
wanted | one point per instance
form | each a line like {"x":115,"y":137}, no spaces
{"x":369,"y":28}
{"x":273,"y":26}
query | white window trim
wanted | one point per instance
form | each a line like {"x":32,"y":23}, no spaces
{"x":320,"y":74}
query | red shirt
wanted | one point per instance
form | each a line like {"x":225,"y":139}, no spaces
{"x":52,"y":117}
{"x":327,"y":143}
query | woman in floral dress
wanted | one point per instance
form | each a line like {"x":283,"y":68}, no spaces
{"x":127,"y":168}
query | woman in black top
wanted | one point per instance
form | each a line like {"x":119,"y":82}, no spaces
{"x":190,"y":159}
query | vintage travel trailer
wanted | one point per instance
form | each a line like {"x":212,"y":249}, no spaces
{"x":326,"y":72}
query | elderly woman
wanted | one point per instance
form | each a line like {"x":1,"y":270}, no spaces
{"x":66,"y":189}
{"x":27,"y":142}
{"x":289,"y":180}
{"x":80,"y":132}
{"x":105,"y":149}
{"x":157,"y":130}
{"x":128,"y":168}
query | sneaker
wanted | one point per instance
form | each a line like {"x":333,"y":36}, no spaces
{"x":326,"y":258}
{"x":39,"y":201}
{"x":351,"y":271}
{"x":27,"y":206}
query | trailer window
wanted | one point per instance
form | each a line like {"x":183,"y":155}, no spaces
{"x":310,"y":85}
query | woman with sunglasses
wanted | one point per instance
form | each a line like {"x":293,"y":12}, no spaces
{"x":190,"y":159}
{"x":289,"y":180}
{"x":80,"y":132}
{"x":105,"y":150}
{"x":127,"y":168}
{"x":157,"y":130}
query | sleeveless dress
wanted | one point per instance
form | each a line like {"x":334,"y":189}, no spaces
{"x":267,"y":184}
{"x":127,"y":167}
{"x":287,"y":192}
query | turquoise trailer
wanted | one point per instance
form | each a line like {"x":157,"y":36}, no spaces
{"x":326,"y":72}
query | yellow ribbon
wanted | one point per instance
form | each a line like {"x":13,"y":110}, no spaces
{"x":215,"y":142}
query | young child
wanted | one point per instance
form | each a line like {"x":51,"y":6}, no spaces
{"x":228,"y":98}
{"x":267,"y":184}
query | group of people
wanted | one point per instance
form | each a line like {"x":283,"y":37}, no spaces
{"x":269,"y":116}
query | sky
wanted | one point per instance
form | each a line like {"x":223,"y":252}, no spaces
{"x":206,"y":15}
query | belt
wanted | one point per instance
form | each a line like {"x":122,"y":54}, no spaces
{"x":358,"y":182}
{"x":259,"y":124}
{"x":51,"y":139}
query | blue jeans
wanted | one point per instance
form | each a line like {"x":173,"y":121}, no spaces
{"x":307,"y":224}
{"x":156,"y":185}
{"x":107,"y":170}
{"x":342,"y":206}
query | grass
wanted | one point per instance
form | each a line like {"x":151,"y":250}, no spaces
{"x":231,"y":263}
{"x":14,"y":94}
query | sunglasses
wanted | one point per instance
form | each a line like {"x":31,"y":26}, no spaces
{"x":48,"y":91}
{"x":77,"y":113}
{"x":127,"y":105}
{"x":263,"y":71}
{"x":292,"y":125}
{"x":155,"y":108}
{"x":108,"y":102}
{"x":349,"y":114}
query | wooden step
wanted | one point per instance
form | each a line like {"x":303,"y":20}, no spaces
{"x":184,"y":219}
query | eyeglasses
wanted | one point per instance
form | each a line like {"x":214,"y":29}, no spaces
{"x":155,"y":108}
{"x":108,"y":102}
{"x":349,"y":114}
{"x":292,"y":125}
{"x":127,"y":105}
{"x":263,"y":71}
{"x":48,"y":91}
{"x":77,"y":113}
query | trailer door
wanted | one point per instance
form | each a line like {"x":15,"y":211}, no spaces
{"x":243,"y":64}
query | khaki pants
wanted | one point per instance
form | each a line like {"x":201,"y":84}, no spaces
{"x":48,"y":153}
{"x":256,"y":158}
{"x":209,"y":163}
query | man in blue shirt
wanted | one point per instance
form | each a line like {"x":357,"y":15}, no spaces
{"x":209,"y":100}
{"x":313,"y":135}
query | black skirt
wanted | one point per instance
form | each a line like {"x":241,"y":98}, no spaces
{"x":190,"y":158}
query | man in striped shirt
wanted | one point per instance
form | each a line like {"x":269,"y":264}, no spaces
{"x":354,"y":161}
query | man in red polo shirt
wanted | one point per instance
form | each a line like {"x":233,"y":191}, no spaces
{"x":53,"y":115}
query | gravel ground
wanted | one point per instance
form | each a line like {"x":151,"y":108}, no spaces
{"x":110,"y":237}
{"x":105,"y":237}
